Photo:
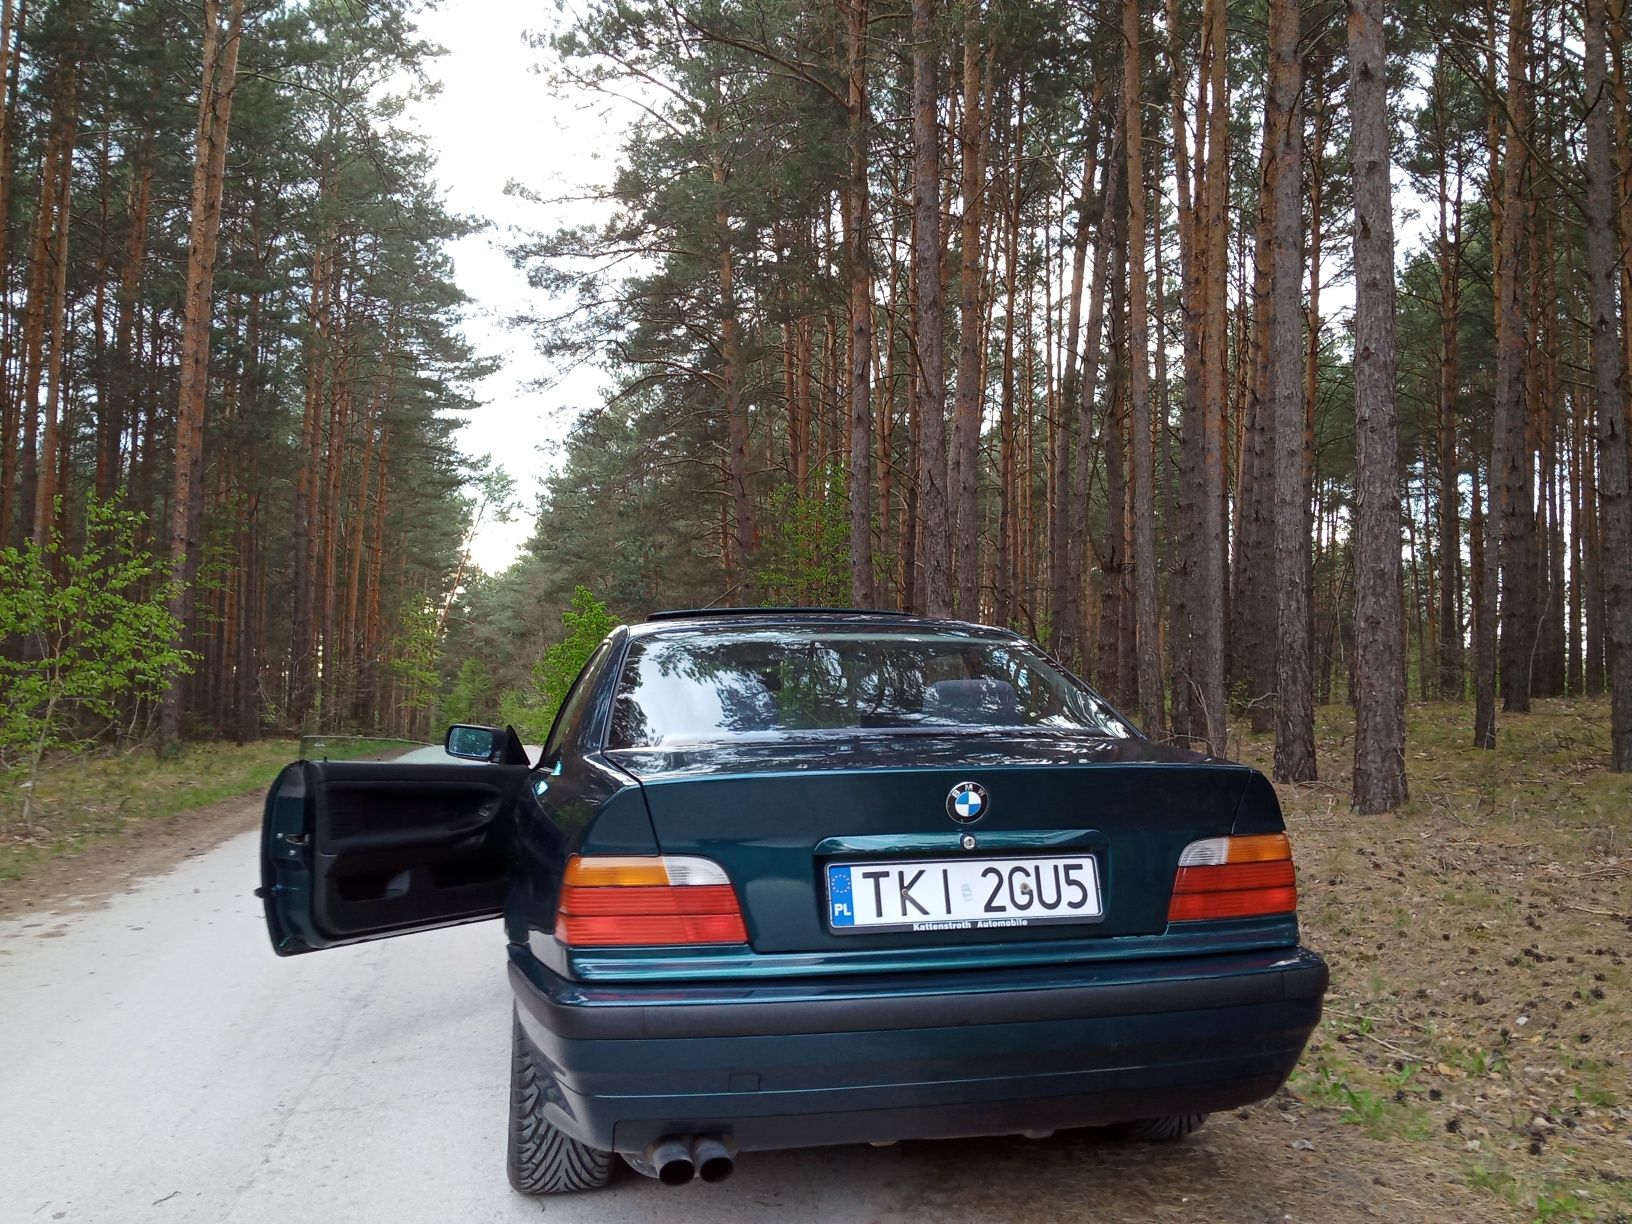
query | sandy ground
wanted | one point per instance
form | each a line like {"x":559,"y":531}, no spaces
{"x":162,"y":1065}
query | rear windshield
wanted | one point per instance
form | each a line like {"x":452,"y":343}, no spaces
{"x":692,"y":687}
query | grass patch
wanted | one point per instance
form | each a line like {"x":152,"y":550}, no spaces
{"x":1550,"y":1203}
{"x":85,"y":798}
{"x":1384,"y":1110}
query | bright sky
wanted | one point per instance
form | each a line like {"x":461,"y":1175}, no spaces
{"x":493,"y":122}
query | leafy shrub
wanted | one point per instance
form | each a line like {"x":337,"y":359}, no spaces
{"x":470,"y":698}
{"x":531,"y":710}
{"x":87,"y":634}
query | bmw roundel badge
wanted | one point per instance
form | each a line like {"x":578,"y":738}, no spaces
{"x":967,"y":802}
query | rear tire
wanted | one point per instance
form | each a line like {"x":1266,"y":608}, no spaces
{"x":541,"y":1159}
{"x":1160,"y":1130}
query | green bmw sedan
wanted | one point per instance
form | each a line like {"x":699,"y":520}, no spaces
{"x":783,"y":878}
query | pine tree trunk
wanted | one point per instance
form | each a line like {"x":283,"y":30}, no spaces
{"x":886,"y":377}
{"x":125,"y":304}
{"x":743,"y":537}
{"x":303,"y":632}
{"x":37,"y":310}
{"x":1079,"y":544}
{"x":1609,"y":381}
{"x":1294,"y":759}
{"x":964,"y":479}
{"x":1253,"y":590}
{"x":335,"y":456}
{"x":1574,"y":678}
{"x":1182,"y":586}
{"x":374,"y":633}
{"x":1146,"y":615}
{"x":1294,"y":677}
{"x":1008,"y":548}
{"x":1379,"y":735}
{"x":1109,"y":298}
{"x":56,"y":308}
{"x":1065,"y":596}
{"x":220,"y":71}
{"x":1115,"y":604}
{"x":935,"y":560}
{"x":1621,"y":150}
{"x":858,"y":272}
{"x":911,"y":530}
{"x":1482,"y":550}
{"x":10,"y":406}
{"x":1450,"y":530}
{"x":1209,"y":608}
{"x":1510,"y":467}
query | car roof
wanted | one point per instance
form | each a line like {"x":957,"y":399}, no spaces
{"x":751,"y":618}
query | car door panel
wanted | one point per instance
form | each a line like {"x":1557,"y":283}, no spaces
{"x":353,"y":851}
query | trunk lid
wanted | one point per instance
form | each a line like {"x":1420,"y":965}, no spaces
{"x":776,"y":814}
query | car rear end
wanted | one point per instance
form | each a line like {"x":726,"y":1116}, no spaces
{"x":939,"y":921}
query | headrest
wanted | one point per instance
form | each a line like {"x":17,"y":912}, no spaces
{"x":983,"y":701}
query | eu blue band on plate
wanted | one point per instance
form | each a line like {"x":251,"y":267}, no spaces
{"x":838,"y":896}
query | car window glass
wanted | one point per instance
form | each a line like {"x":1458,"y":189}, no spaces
{"x":576,"y":704}
{"x":695,"y":686}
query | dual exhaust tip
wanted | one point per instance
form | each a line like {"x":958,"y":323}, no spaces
{"x":675,"y":1161}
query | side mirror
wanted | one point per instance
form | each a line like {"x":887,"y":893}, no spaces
{"x":472,"y":743}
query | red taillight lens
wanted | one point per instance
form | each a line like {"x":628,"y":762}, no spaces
{"x":626,"y":902}
{"x":1234,"y":877}
{"x":639,"y":929}
{"x":608,"y":901}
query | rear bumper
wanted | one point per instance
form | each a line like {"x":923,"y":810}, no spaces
{"x":919,"y":1055}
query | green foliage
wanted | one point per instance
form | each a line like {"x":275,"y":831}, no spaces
{"x":92,"y":633}
{"x":418,"y":648}
{"x":532,"y":709}
{"x":471,"y":697}
{"x":804,"y":557}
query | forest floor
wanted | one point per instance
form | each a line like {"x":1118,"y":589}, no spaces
{"x":105,"y":799}
{"x":1478,"y":1033}
{"x":1475,"y":1062}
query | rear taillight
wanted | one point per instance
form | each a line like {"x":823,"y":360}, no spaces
{"x":608,"y":900}
{"x":1234,"y":877}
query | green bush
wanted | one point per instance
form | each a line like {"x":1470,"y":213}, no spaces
{"x":532,"y":710}
{"x":93,"y":634}
{"x":470,"y":698}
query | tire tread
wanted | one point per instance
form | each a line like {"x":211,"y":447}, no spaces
{"x":1161,"y":1130}
{"x":541,"y":1159}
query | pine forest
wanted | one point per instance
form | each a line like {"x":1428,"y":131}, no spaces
{"x":1249,"y":357}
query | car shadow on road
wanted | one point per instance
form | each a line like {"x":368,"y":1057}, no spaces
{"x":1241,"y":1167}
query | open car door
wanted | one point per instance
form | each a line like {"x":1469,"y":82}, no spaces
{"x":352,"y":850}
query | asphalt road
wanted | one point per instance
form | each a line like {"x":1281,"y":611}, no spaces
{"x":158,"y":1062}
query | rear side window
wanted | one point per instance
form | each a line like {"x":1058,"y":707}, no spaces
{"x":576,"y":705}
{"x":694,"y":687}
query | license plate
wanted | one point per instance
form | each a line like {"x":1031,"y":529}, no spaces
{"x":962,"y":894}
